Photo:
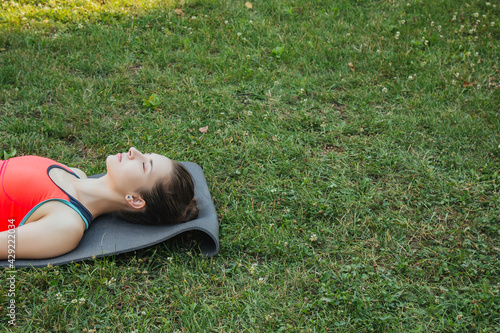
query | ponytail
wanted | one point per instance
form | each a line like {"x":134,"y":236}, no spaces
{"x":191,"y":211}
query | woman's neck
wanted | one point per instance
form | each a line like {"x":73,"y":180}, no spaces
{"x":97,"y":196}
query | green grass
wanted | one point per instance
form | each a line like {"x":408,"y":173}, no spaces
{"x":352,"y":154}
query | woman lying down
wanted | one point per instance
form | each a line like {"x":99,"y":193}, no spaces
{"x":48,"y":206}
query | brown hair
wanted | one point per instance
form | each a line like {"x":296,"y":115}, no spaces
{"x":170,"y":201}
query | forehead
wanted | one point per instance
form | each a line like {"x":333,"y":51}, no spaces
{"x":162,"y":165}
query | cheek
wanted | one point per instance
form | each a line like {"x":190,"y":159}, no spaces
{"x":126,"y":177}
{"x":132,"y":176}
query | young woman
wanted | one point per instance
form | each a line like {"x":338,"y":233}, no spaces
{"x":51,"y":205}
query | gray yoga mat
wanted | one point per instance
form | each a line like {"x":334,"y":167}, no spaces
{"x":109,"y":235}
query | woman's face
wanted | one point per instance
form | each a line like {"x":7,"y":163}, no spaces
{"x":130,"y":172}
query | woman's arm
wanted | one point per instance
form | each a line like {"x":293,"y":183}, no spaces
{"x":53,"y":235}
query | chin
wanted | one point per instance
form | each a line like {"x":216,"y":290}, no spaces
{"x":109,"y":160}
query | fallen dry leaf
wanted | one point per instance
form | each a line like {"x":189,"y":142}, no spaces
{"x":203,"y":130}
{"x":179,"y":12}
{"x":248,"y":5}
{"x":467,"y":84}
{"x":351,"y":66}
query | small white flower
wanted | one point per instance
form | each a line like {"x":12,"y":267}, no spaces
{"x":313,"y":238}
{"x":143,"y":313}
{"x":238,"y":34}
{"x":273,"y":190}
{"x":432,"y":23}
{"x":81,"y":301}
{"x":410,"y":77}
{"x":384,"y":90}
{"x":248,"y":56}
{"x":261,"y":281}
{"x":475,"y":14}
{"x":378,"y":51}
{"x":74,"y":301}
{"x":110,"y":282}
{"x":454,"y":18}
{"x":492,"y":24}
{"x":58,"y":296}
{"x":348,"y":34}
{"x":488,"y":4}
{"x":252,"y":268}
{"x":251,"y":22}
{"x":193,"y":17}
{"x":457,"y":74}
{"x":226,"y":21}
{"x":453,"y":82}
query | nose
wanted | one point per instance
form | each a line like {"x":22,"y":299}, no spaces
{"x":133,"y":153}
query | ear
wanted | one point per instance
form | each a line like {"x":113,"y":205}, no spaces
{"x":135,"y":202}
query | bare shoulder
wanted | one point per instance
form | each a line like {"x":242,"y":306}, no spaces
{"x":79,"y":173}
{"x":58,"y":230}
{"x":60,"y":213}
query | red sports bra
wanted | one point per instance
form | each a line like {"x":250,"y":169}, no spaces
{"x":25,"y":185}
